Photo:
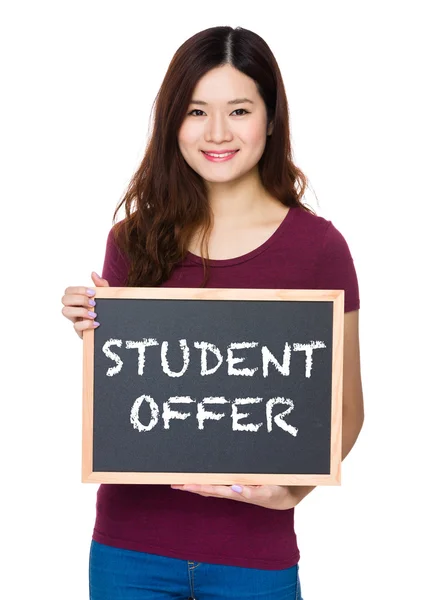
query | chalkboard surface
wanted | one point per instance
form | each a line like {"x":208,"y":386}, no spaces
{"x":213,"y":385}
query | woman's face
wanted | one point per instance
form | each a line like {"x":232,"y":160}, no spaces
{"x":213,"y":123}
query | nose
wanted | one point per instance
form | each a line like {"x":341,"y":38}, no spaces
{"x":217,"y":129}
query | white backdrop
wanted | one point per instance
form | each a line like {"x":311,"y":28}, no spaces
{"x":79,"y":79}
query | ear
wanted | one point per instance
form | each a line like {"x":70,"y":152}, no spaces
{"x":270,"y":128}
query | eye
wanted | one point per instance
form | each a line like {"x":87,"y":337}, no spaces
{"x":234,"y":111}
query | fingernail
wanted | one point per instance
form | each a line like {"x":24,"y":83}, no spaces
{"x":90,"y":292}
{"x":91,"y":302}
{"x":91,"y":314}
{"x":237,"y":488}
{"x":95,"y":323}
{"x":95,"y":273}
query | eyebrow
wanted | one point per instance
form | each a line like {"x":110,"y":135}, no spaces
{"x":235,"y":101}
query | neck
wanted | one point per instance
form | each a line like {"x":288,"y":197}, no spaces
{"x":238,"y":201}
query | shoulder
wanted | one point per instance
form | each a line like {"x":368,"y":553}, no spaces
{"x":115,"y":239}
{"x":116,"y":262}
{"x":306,"y":220}
{"x":116,"y":232}
{"x":333,"y":262}
{"x":320,"y":233}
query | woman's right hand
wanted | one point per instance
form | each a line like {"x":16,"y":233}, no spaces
{"x":79,"y":305}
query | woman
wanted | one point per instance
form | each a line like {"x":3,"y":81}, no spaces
{"x":216,"y":201}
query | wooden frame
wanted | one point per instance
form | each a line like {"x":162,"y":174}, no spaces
{"x":333,"y":478}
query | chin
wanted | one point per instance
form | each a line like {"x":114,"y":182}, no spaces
{"x":227,"y":179}
{"x":215,"y":177}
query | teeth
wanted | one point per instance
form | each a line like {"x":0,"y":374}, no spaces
{"x":220,"y":155}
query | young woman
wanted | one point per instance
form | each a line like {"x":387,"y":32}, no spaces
{"x":216,"y":201}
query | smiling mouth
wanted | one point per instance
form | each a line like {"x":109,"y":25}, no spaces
{"x":219,"y":154}
{"x":219,"y":157}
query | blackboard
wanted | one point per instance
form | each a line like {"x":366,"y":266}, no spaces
{"x":213,"y":385}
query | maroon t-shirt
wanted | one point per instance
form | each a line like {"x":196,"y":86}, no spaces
{"x":305,"y":252}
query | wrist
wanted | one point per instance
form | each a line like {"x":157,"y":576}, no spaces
{"x":299,"y":492}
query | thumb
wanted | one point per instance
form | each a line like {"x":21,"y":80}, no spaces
{"x":99,"y":281}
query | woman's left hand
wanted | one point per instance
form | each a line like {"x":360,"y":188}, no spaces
{"x":277,"y":497}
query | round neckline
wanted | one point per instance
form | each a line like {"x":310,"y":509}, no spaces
{"x":226,"y":262}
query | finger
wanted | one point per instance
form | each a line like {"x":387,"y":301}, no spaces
{"x":202,"y":494}
{"x":190,"y":490}
{"x":222,"y":491}
{"x":81,"y":326}
{"x":78,"y":300}
{"x":80,"y":290}
{"x":256,"y":492}
{"x":77,"y":313}
{"x":99,"y":281}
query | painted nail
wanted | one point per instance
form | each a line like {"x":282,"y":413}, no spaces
{"x":91,"y":314}
{"x":91,"y":302}
{"x":237,"y":488}
{"x":90,"y":292}
{"x":95,"y":323}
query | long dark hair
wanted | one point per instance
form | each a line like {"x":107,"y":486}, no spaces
{"x":166,"y":200}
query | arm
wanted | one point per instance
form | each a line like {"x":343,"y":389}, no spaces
{"x":353,"y":404}
{"x":116,"y":265}
{"x":284,"y":497}
{"x":352,"y":400}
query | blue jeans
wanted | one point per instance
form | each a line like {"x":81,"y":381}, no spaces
{"x":116,"y":574}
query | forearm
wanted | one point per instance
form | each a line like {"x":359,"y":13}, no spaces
{"x":298,"y":492}
{"x":352,"y":422}
{"x":351,"y":427}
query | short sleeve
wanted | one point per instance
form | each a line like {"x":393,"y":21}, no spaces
{"x":116,"y":265}
{"x":335,"y":268}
